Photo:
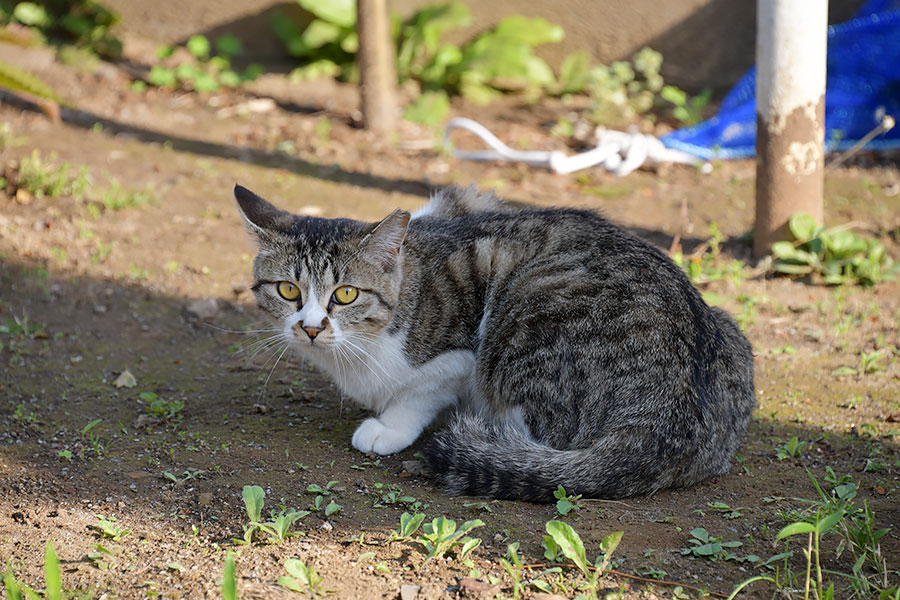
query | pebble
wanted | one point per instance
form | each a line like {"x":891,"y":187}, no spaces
{"x":203,"y":308}
{"x":409,"y":591}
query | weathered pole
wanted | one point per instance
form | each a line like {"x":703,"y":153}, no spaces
{"x":791,"y":41}
{"x":378,"y":75}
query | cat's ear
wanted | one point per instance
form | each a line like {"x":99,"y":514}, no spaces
{"x":262,"y":219}
{"x":382,"y":244}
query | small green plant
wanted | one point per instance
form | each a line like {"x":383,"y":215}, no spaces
{"x":108,"y":527}
{"x":45,"y":178}
{"x":301,"y":578}
{"x":277,"y":528}
{"x":725,"y":511}
{"x":118,"y":197}
{"x":442,"y":535}
{"x":563,"y":539}
{"x":390,"y":494}
{"x":162,"y":409}
{"x":686,"y":110}
{"x":409,"y":524}
{"x":869,"y":363}
{"x":706,"y":262}
{"x":564,"y":503}
{"x":836,"y":254}
{"x":792,"y":448}
{"x":206,"y":72}
{"x":87,"y":24}
{"x":512,"y":564}
{"x":704,"y":546}
{"x":52,"y":581}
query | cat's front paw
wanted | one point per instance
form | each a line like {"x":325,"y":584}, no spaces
{"x":374,"y":436}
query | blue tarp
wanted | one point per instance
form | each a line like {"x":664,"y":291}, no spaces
{"x":863,"y":84}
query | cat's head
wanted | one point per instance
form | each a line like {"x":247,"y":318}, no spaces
{"x":327,"y":282}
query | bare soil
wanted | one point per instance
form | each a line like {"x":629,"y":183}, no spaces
{"x":112,"y":290}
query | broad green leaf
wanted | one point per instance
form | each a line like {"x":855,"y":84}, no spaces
{"x":551,"y":550}
{"x":844,"y":371}
{"x":469,"y":544}
{"x":298,"y":569}
{"x":161,"y":76}
{"x":700,"y":533}
{"x":339,"y":12}
{"x":30,"y":13}
{"x":290,"y":583}
{"x":364,"y":557}
{"x":199,"y":46}
{"x":253,"y":496}
{"x":51,"y":574}
{"x":708,"y":549}
{"x":828,"y":522}
{"x":428,"y":109}
{"x":532,"y":31}
{"x":803,"y":226}
{"x":792,"y":269}
{"x":569,"y":542}
{"x":574,"y":73}
{"x":794,"y":529}
{"x":320,"y":33}
{"x":332,"y":508}
{"x":229,"y":45}
{"x":672,"y":94}
{"x":15,"y":79}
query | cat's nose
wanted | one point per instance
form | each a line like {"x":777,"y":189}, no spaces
{"x":313,"y":331}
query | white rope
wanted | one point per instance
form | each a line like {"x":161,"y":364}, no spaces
{"x":617,"y":151}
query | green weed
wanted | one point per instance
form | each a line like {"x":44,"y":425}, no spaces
{"x":52,"y":581}
{"x":44,"y":178}
{"x":442,"y":535}
{"x":277,"y":528}
{"x":713,"y":548}
{"x":564,"y":540}
{"x":565,"y":503}
{"x":836,"y":254}
{"x":409,"y":524}
{"x":792,"y":448}
{"x":301,"y":578}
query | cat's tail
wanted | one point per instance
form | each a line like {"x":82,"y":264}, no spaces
{"x":476,"y":458}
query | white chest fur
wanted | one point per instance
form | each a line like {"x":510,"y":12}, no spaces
{"x":376,"y":373}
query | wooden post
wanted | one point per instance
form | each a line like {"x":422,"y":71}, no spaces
{"x":378,"y":75}
{"x":791,"y":42}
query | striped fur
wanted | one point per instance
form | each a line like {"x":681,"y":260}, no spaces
{"x":583,"y":355}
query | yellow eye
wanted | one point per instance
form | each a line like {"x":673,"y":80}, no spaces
{"x":288,"y":290}
{"x":345,"y":294}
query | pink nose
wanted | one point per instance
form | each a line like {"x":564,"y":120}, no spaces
{"x":312,"y":332}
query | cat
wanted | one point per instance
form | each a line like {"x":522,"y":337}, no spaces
{"x":576,"y":354}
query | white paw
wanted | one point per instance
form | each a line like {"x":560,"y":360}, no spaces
{"x":374,"y":436}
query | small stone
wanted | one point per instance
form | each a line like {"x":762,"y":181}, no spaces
{"x":469,"y":587}
{"x":327,"y":526}
{"x":203,"y":308}
{"x":409,"y":591}
{"x":23,"y":196}
{"x":543,"y":596}
{"x":414,"y":467}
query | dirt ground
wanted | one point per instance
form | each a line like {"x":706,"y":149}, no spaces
{"x":161,"y":289}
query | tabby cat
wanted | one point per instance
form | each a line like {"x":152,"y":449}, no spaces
{"x":576,"y":353}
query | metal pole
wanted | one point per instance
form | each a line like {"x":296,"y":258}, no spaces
{"x":791,"y":42}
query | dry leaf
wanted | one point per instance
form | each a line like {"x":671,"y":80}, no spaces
{"x":126,"y":379}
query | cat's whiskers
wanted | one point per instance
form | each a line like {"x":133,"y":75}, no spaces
{"x":363,"y":354}
{"x":272,"y":370}
{"x":260,"y":346}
